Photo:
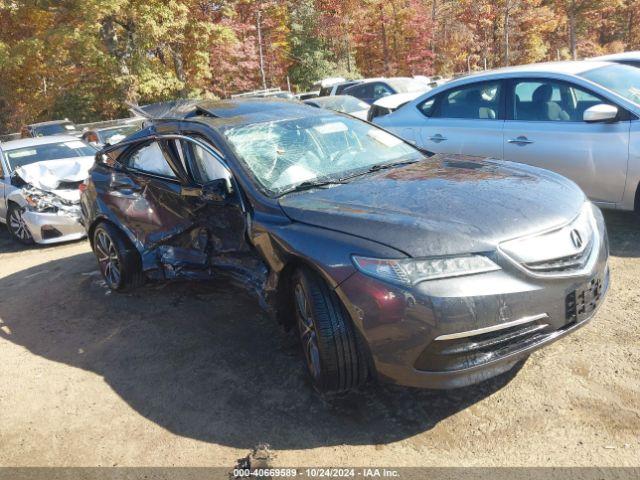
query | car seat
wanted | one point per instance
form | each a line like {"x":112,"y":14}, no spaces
{"x":543,"y":108}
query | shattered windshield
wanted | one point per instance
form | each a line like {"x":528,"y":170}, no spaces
{"x":284,"y":154}
{"x":50,"y":151}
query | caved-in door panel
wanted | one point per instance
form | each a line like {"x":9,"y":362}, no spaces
{"x":153,"y":209}
{"x":229,"y":251}
{"x":224,"y":220}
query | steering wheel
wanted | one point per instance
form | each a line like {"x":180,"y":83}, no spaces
{"x":336,"y":157}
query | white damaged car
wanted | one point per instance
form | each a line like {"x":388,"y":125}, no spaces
{"x":40,"y":187}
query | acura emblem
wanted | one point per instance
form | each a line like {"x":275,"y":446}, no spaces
{"x":576,"y":238}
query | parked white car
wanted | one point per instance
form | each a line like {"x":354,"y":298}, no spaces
{"x":39,"y":187}
{"x":372,"y":89}
{"x":386,"y":105}
{"x":335,"y":86}
{"x":579,"y":119}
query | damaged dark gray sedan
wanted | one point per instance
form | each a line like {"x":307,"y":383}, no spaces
{"x":429,"y":271}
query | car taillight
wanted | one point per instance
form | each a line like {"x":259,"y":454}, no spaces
{"x":82,"y":187}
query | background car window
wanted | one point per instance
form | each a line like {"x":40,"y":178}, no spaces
{"x":362,"y":91}
{"x":479,"y":101}
{"x":54,"y":129}
{"x":116,"y":134}
{"x":208,"y":166}
{"x":549,"y":101}
{"x":381,"y":90}
{"x":151,"y":159}
{"x":426,"y":107}
{"x":341,"y":88}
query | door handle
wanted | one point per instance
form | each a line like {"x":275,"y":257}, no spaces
{"x":437,"y":138}
{"x":123,"y":183}
{"x":522,"y":140}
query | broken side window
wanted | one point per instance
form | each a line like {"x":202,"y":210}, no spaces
{"x":151,"y":159}
{"x":208,"y":166}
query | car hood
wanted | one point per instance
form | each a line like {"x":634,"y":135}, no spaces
{"x":444,"y":205}
{"x":57,"y":176}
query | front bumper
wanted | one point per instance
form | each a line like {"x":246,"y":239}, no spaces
{"x":455,"y":332}
{"x":47,"y":228}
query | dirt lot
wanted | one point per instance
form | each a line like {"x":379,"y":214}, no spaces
{"x":195,"y":374}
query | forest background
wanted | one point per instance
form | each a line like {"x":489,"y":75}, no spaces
{"x":84,"y":59}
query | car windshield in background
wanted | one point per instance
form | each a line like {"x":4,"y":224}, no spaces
{"x":50,"y":151}
{"x":621,"y":79}
{"x":54,"y":129}
{"x":407,"y":85}
{"x":342,"y":103}
{"x":116,"y":134}
{"x":285,"y":154}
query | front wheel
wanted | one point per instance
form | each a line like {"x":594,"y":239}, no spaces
{"x":332,"y":349}
{"x":17,"y":226}
{"x":119,"y":262}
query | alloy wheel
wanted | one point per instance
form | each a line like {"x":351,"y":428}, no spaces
{"x":18,"y":225}
{"x":308,"y":334}
{"x":108,"y":258}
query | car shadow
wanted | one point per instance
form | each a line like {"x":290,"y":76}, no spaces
{"x":8,"y":244}
{"x":201,"y":360}
{"x":624,"y":233}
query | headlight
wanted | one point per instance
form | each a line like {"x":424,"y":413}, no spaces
{"x":40,"y":201}
{"x":412,"y":271}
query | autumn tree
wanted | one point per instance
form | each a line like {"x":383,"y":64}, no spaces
{"x":84,"y":59}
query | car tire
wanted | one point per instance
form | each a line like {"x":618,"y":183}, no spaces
{"x":332,"y":348}
{"x":16,"y":225}
{"x":118,"y":260}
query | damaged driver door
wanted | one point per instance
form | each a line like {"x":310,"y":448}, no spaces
{"x":220,"y":217}
{"x":147,"y":196}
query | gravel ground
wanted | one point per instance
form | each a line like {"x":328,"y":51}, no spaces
{"x":195,"y":375}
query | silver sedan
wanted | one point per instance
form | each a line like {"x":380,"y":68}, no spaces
{"x":39,"y":188}
{"x":579,"y":119}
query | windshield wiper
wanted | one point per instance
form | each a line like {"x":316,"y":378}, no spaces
{"x":384,"y":166}
{"x":309,"y":184}
{"x":378,"y":167}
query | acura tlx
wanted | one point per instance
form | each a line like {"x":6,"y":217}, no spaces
{"x":425,"y":270}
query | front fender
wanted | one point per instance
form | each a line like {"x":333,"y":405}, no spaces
{"x":16,"y":196}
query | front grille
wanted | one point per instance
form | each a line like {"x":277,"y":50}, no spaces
{"x":566,"y":250}
{"x":562,"y":264}
{"x":69,"y":185}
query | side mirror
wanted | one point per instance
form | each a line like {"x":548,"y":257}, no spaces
{"x":600,"y":113}
{"x":215,"y":191}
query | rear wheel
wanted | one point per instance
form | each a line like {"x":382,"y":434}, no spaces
{"x":17,"y":226}
{"x":118,"y":260}
{"x":332,"y":349}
